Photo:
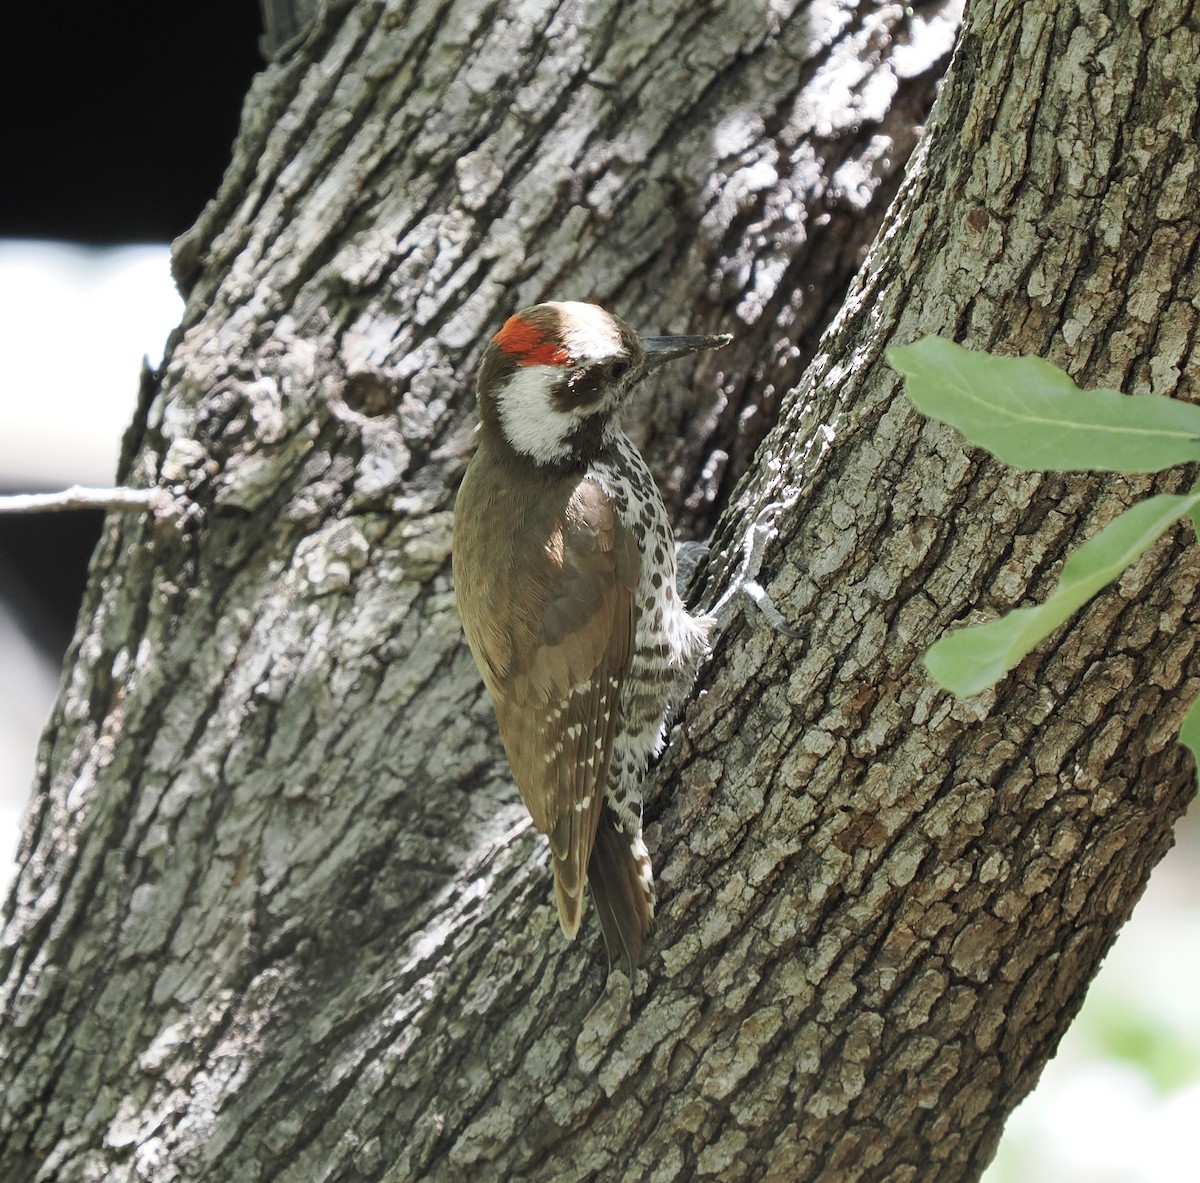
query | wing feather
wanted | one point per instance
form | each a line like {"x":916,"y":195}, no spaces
{"x":551,"y":623}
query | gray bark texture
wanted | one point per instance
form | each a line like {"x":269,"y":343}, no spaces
{"x":280,"y":915}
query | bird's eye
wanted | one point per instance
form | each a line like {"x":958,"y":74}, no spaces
{"x":617,"y":370}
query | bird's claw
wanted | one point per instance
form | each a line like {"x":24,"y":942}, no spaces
{"x":690,"y":555}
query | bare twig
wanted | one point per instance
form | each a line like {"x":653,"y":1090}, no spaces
{"x":82,"y":497}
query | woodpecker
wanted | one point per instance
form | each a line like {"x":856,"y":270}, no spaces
{"x":564,"y":573}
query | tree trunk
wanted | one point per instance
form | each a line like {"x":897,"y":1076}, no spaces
{"x":280,"y":914}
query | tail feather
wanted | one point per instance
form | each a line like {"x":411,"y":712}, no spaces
{"x":622,"y":884}
{"x":570,"y":901}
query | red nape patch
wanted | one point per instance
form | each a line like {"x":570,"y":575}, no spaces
{"x":527,"y":345}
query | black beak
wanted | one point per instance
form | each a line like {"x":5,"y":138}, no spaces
{"x":664,"y":349}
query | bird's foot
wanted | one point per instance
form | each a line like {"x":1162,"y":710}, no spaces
{"x":690,"y":556}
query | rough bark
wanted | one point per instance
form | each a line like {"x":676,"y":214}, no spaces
{"x":280,"y":915}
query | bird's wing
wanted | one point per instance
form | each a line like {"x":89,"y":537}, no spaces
{"x":562,"y":622}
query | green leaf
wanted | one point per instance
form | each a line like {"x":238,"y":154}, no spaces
{"x":1189,"y":733}
{"x":971,"y":659}
{"x":1030,"y":414}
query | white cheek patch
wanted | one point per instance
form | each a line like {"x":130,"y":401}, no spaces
{"x":530,"y":423}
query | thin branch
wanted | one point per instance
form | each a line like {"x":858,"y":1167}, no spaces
{"x":82,"y":497}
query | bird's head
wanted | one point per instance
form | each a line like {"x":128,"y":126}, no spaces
{"x":554,"y":378}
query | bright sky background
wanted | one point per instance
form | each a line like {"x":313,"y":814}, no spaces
{"x":1121,"y":1101}
{"x":74,"y":326}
